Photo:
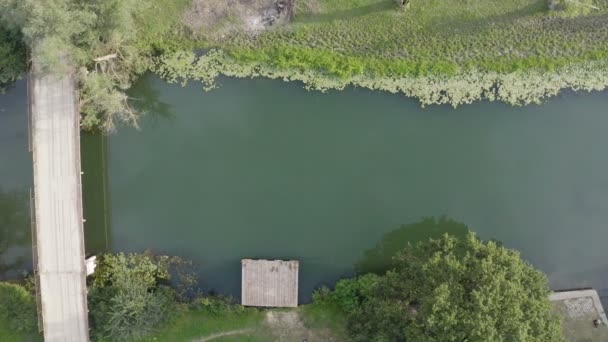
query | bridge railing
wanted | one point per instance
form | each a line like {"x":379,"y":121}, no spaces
{"x":35,"y":260}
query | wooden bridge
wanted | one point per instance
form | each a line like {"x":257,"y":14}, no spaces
{"x":59,"y":260}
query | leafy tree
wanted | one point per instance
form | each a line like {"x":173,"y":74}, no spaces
{"x":451,"y":289}
{"x":105,"y":41}
{"x":12,"y":57}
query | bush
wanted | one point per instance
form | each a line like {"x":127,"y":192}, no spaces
{"x":130,"y":296}
{"x":17,"y":308}
{"x":351,"y":293}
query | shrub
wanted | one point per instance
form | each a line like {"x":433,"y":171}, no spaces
{"x":129,"y":296}
{"x":349,"y":294}
{"x":17,"y":308}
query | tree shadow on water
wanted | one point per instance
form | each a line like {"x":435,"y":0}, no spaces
{"x":379,"y":259}
{"x":146,"y":99}
{"x":15,"y":232}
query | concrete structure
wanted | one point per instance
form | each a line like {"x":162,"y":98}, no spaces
{"x":269,"y":283}
{"x":91,"y":264}
{"x":579,"y":309}
{"x":60,"y":263}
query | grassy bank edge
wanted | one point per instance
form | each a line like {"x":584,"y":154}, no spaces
{"x":521,"y":87}
{"x":190,"y":324}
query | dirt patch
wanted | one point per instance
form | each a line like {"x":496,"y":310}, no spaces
{"x":217,"y":18}
{"x":224,"y":334}
{"x":287,"y":326}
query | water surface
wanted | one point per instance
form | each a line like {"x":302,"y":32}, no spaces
{"x":264,"y":169}
{"x":15,"y":183}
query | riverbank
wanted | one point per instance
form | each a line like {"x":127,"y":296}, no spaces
{"x":518,"y":51}
{"x":314,"y":322}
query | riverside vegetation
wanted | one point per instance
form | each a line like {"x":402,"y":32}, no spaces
{"x":439,"y":51}
{"x":454,"y":52}
{"x":446,"y":288}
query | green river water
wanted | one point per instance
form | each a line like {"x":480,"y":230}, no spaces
{"x":265,"y":169}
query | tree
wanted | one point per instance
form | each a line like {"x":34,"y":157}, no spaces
{"x":12,"y":57}
{"x":451,"y":289}
{"x":71,"y":35}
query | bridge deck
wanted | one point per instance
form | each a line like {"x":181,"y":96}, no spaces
{"x":58,"y":208}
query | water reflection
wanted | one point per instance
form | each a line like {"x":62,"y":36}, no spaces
{"x":145,"y":97}
{"x":15,"y":236}
{"x":15,"y":182}
{"x":95,"y":193}
{"x":379,"y":259}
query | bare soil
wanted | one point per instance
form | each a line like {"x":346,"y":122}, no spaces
{"x":214,"y":19}
{"x":288,"y":326}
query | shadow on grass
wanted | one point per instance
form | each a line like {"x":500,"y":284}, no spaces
{"x":448,"y":24}
{"x":347,"y":14}
{"x":379,"y":259}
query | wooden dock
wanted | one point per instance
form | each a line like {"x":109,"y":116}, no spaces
{"x":60,"y":263}
{"x":269,"y":283}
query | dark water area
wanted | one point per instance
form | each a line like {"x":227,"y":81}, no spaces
{"x":265,"y":169}
{"x":15,"y":183}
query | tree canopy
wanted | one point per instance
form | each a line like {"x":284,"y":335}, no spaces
{"x":12,"y":56}
{"x":78,"y":34}
{"x":451,"y":289}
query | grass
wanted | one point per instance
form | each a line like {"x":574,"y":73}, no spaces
{"x":157,"y":20}
{"x":347,"y":37}
{"x":321,"y":321}
{"x":190,"y":324}
{"x":325,"y":316}
{"x":350,"y":37}
{"x":8,"y":335}
{"x":440,"y":51}
{"x":581,"y":328}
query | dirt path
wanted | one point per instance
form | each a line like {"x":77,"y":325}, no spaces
{"x":223,"y":334}
{"x":288,"y":326}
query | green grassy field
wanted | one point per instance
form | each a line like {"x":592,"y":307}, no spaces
{"x":192,"y":324}
{"x":375,"y":37}
{"x":439,"y":51}
{"x":317,"y":322}
{"x":7,"y":335}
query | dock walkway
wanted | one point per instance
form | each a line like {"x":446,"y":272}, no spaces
{"x":58,"y":208}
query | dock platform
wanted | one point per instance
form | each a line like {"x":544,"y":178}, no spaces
{"x":269,"y":283}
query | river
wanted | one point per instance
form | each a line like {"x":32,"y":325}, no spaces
{"x":265,"y":169}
